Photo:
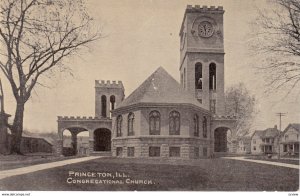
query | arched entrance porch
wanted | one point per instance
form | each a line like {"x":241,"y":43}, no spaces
{"x":70,"y":140}
{"x":102,"y":139}
{"x":223,"y":140}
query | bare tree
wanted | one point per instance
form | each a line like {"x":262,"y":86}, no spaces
{"x":276,"y":42}
{"x":239,"y":102}
{"x":1,"y":99}
{"x":35,"y":36}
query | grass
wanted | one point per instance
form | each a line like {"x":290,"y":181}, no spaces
{"x":17,"y":161}
{"x":192,"y":175}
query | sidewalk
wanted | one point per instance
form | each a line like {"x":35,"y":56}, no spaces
{"x":264,"y":162}
{"x":39,"y":167}
{"x":286,"y":158}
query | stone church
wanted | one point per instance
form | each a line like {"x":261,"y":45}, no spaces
{"x":164,"y":118}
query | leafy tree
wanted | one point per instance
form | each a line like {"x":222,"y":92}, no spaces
{"x":35,"y":37}
{"x":239,"y":102}
{"x":276,"y":43}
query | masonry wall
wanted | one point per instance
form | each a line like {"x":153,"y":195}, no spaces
{"x":108,"y":89}
{"x":205,"y":50}
{"x":142,"y":140}
{"x":205,"y":93}
{"x":124,"y":127}
{"x":141,"y":146}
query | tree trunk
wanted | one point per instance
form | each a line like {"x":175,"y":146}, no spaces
{"x":17,"y":129}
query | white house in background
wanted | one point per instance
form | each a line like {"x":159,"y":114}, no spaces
{"x":289,"y":143}
{"x":265,"y":141}
{"x":244,"y":145}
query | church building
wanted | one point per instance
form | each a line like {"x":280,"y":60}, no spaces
{"x":164,"y":118}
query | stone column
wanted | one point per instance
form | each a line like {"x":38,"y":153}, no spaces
{"x":74,"y":142}
{"x":91,"y":142}
{"x":59,"y":147}
{"x":108,"y":106}
{"x":59,"y":143}
{"x":91,"y":146}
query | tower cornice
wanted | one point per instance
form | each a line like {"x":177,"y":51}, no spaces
{"x":198,"y":9}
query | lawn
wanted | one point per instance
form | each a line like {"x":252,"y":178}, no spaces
{"x":17,"y":161}
{"x":195,"y":175}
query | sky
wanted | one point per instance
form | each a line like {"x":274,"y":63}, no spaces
{"x":140,"y":36}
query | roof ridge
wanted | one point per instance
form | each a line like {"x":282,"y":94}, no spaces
{"x":160,"y":87}
{"x":142,"y":87}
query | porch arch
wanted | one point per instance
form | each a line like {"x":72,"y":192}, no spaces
{"x":102,"y":139}
{"x":69,"y":141}
{"x":221,"y":139}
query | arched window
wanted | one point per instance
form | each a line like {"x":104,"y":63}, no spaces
{"x":119,"y":126}
{"x":212,"y":76}
{"x":196,"y":125}
{"x":112,"y":100}
{"x":198,"y":76}
{"x":130,"y":124}
{"x":174,"y":123}
{"x":154,"y":123}
{"x":204,"y":127}
{"x":103,"y":104}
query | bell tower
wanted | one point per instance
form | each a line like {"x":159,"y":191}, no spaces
{"x":202,"y":55}
{"x":107,"y":96}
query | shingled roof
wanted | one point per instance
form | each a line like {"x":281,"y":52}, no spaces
{"x":160,"y":87}
{"x":267,"y":133}
{"x":294,"y":125}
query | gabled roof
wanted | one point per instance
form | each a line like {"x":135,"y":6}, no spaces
{"x":259,"y":133}
{"x":294,"y":125}
{"x":267,"y":133}
{"x":160,"y":87}
{"x":271,"y":132}
{"x":245,"y":138}
{"x":35,"y":136}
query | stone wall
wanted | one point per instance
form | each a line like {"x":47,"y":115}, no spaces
{"x":204,"y":50}
{"x":107,"y":88}
{"x":141,"y":146}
